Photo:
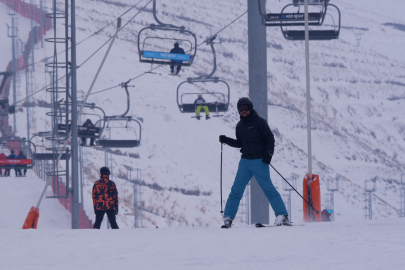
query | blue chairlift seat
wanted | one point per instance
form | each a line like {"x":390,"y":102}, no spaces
{"x":169,"y":56}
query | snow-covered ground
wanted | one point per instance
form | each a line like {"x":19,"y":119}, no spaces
{"x":376,"y":244}
{"x":18,"y":194}
{"x":358,"y":100}
{"x":357,"y":92}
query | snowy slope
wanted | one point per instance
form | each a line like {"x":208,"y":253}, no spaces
{"x":18,"y":194}
{"x":373,"y":244}
{"x":357,"y":104}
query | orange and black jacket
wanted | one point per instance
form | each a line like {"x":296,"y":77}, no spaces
{"x":105,"y":195}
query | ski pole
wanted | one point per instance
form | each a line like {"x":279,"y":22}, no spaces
{"x":294,"y":189}
{"x":222,"y":212}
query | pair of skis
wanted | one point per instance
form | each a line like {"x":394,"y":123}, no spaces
{"x":259,"y":225}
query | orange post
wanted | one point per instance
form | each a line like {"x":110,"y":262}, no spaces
{"x":31,"y":221}
{"x":312,"y":195}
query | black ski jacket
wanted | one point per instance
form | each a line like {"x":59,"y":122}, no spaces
{"x":253,"y":136}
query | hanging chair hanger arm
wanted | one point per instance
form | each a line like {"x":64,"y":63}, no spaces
{"x":210,"y":42}
{"x":125,"y":86}
{"x":157,"y":20}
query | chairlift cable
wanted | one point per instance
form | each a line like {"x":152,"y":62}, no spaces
{"x":105,"y":90}
{"x":92,"y":35}
{"x":90,"y":56}
{"x":140,"y":75}
{"x":112,"y":36}
{"x":197,"y":46}
{"x":43,"y":88}
{"x":229,"y":24}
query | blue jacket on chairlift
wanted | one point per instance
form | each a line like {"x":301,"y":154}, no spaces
{"x":177,"y":50}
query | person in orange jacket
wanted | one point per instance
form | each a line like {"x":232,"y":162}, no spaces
{"x":105,"y":199}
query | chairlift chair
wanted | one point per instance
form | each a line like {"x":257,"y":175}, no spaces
{"x":151,"y":53}
{"x":114,"y":143}
{"x":221,"y":102}
{"x":315,"y":19}
{"x":86,"y":132}
{"x":219,"y":106}
{"x":332,"y":30}
{"x":17,"y":144}
{"x":291,"y":18}
{"x":135,"y":132}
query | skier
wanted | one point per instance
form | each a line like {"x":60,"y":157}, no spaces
{"x":88,"y":124}
{"x":200,"y":103}
{"x":254,"y":137}
{"x":24,"y":167}
{"x":325,"y":214}
{"x":105,"y":199}
{"x":176,"y":50}
{"x":11,"y":156}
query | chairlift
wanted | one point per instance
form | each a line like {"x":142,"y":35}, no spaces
{"x":220,"y":100}
{"x":154,"y":48}
{"x":292,"y":16}
{"x":133,"y":131}
{"x":87,"y":132}
{"x":18,"y":145}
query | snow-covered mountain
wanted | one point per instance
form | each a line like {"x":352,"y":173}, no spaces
{"x":357,"y":97}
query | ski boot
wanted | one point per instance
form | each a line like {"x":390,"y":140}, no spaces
{"x":228,"y":223}
{"x":282,"y":220}
{"x":207,"y":117}
{"x":198,"y":117}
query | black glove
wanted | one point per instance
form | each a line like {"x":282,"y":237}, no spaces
{"x":267,"y":159}
{"x":94,"y":209}
{"x":223,"y":139}
{"x":116,"y":211}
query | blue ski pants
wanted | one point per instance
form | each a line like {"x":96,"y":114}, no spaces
{"x":261,"y":171}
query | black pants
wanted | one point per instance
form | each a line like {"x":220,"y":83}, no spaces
{"x":84,"y":141}
{"x":111,"y":219}
{"x":178,"y":68}
{"x":18,"y":172}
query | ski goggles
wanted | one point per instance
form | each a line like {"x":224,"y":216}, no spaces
{"x":243,"y":108}
{"x":330,"y":211}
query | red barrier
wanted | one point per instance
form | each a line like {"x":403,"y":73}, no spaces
{"x":85,"y":222}
{"x":315,"y":191}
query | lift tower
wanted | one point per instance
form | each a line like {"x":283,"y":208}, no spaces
{"x":257,"y":51}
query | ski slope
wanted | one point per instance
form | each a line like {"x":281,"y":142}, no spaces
{"x":376,"y":244}
{"x":357,"y":99}
{"x":18,"y":194}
